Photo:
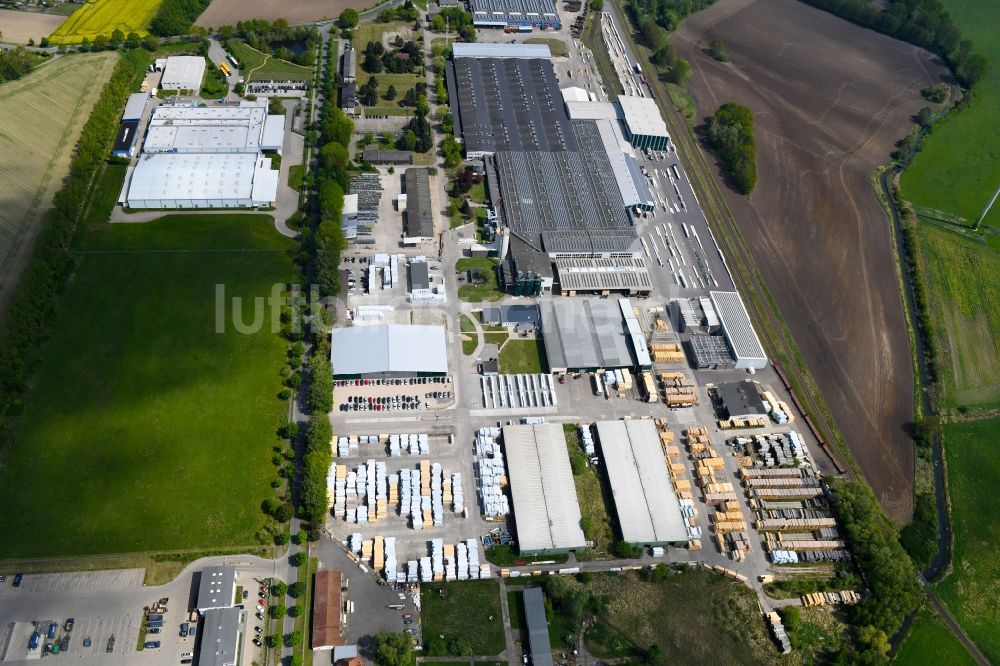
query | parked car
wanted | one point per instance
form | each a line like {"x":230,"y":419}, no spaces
{"x":87,"y":642}
{"x":151,"y":645}
{"x":33,"y":641}
{"x":246,"y":593}
{"x":70,"y":622}
{"x":2,"y":578}
{"x":184,"y":629}
{"x":153,"y":630}
{"x":260,"y":616}
{"x":52,"y":629}
{"x":258,"y":630}
{"x":257,"y":642}
{"x":64,"y":644}
{"x":17,"y":580}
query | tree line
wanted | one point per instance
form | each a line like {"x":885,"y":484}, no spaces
{"x":15,"y":63}
{"x":35,"y":299}
{"x":294,"y":44}
{"x":175,"y":17}
{"x":730,"y":134}
{"x":923,"y":23}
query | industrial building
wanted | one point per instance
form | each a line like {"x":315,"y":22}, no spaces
{"x":643,"y":122}
{"x":711,"y":352}
{"x":135,"y":106}
{"x":183,"y":73}
{"x":124,"y":145}
{"x":207,"y":157}
{"x":740,"y":400}
{"x":328,"y":610}
{"x":512,"y":316}
{"x":583,"y":275}
{"x":217,"y":588}
{"x":375,"y":155}
{"x":200,"y":180}
{"x":739,"y":331}
{"x":220,"y":637}
{"x":419,"y":222}
{"x":538,"y":626}
{"x":247,"y":128}
{"x":592,"y":334}
{"x":546,"y":510}
{"x":647,"y":507}
{"x":349,"y":216}
{"x":389,"y":350}
{"x":515,"y":13}
{"x":349,"y":64}
{"x":348,"y":97}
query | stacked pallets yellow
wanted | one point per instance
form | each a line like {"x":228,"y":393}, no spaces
{"x":379,"y":562}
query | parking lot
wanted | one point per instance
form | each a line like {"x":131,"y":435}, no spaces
{"x":392,"y":395}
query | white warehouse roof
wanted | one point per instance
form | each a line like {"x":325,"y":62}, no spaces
{"x":642,"y":115}
{"x":364,"y":350}
{"x":183,"y":73}
{"x":575,"y":94}
{"x":486,"y":50}
{"x":191,"y":180}
{"x":546,"y":510}
{"x":647,"y":507}
{"x":225,"y":129}
{"x":738,"y":329}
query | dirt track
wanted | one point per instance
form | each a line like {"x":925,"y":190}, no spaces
{"x":228,"y":12}
{"x":829,"y":99}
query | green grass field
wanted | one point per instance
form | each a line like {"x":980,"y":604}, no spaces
{"x":958,"y":171}
{"x":296,"y":174}
{"x":590,"y":495}
{"x":372,"y":32}
{"x":695,"y":617}
{"x":42,"y":116}
{"x":556,"y":46}
{"x":465,"y":612}
{"x":488,"y":290}
{"x":147,"y":429}
{"x":102,"y":17}
{"x":963,"y":281}
{"x":257,"y":66}
{"x":470,"y":339}
{"x":972,"y":591}
{"x":930,"y":643}
{"x":523,"y":357}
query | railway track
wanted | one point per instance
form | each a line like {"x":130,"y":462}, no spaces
{"x":751,"y":284}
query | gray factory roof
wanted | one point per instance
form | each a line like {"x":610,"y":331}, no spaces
{"x":419,"y":213}
{"x":220,"y":634}
{"x":538,"y":627}
{"x":519,"y":9}
{"x":642,"y":115}
{"x":362,"y":350}
{"x":349,"y":64}
{"x":212,"y":129}
{"x":586,"y":333}
{"x":546,"y":511}
{"x":510,"y":103}
{"x":564,"y":202}
{"x":711,"y":350}
{"x":587,"y":274}
{"x":741,"y":399}
{"x":511,"y":314}
{"x":135,"y":105}
{"x":737,"y":326}
{"x":217,"y":588}
{"x":647,"y":507}
{"x":419,"y":275}
{"x":183,"y":73}
{"x":487,"y":50}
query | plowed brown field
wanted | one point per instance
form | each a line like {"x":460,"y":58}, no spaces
{"x":228,"y":12}
{"x":829,"y":101}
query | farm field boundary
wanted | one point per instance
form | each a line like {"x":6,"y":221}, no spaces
{"x":102,"y":17}
{"x":20,"y":26}
{"x":41,"y":117}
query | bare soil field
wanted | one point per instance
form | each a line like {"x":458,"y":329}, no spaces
{"x":228,"y":12}
{"x":829,"y":99}
{"x":18,"y":27}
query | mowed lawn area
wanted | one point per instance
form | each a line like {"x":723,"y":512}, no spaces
{"x":148,"y":428}
{"x":972,"y":591}
{"x":525,"y":357}
{"x":42,"y":115}
{"x":930,"y":643}
{"x":257,"y":66}
{"x":372,"y":32}
{"x":102,"y":17}
{"x":958,"y":169}
{"x":962,"y":276}
{"x":468,"y":611}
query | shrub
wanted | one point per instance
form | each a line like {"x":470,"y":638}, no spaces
{"x":730,"y":134}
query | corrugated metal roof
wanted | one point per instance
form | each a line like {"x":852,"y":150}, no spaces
{"x":486,"y":50}
{"x":737,"y":326}
{"x":135,"y":105}
{"x":326,"y":632}
{"x":585,"y":333}
{"x":642,"y":115}
{"x":274,"y":133}
{"x":594,"y":274}
{"x":647,"y":507}
{"x":538,"y":627}
{"x":388,"y":348}
{"x":546,"y":511}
